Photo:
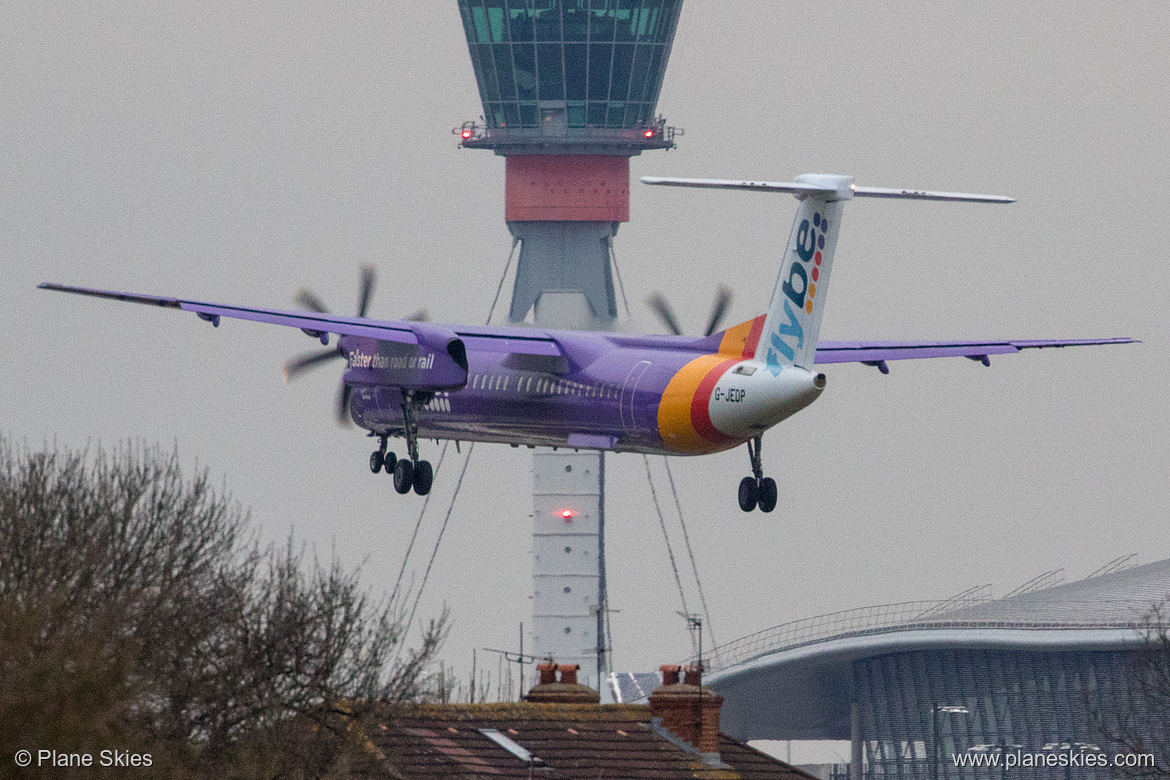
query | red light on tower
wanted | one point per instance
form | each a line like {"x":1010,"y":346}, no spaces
{"x":467,"y":134}
{"x":649,"y":133}
{"x":567,"y":515}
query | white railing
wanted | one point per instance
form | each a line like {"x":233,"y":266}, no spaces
{"x":873,"y":620}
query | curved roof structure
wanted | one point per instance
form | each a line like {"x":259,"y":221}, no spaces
{"x":794,"y":681}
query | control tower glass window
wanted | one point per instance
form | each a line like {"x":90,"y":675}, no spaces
{"x":598,"y":63}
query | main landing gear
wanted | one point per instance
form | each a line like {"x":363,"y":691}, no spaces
{"x":409,"y":472}
{"x":757,"y":490}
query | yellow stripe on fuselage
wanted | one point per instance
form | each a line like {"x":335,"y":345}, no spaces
{"x":734,"y":343}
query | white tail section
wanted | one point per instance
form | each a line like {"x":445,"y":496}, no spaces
{"x":789,"y":337}
{"x":793,"y":323}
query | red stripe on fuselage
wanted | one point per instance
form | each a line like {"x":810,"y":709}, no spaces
{"x":700,"y":412}
{"x":753,"y":339}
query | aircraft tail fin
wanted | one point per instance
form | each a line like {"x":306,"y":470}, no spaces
{"x":793,"y":322}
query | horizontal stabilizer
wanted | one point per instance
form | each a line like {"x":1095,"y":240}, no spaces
{"x":875,"y":352}
{"x":798,"y":188}
{"x":966,"y":197}
{"x":791,"y":187}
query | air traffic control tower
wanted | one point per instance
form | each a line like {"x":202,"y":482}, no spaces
{"x":570,"y":90}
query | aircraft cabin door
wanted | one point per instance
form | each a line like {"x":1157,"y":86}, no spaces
{"x":626,"y":403}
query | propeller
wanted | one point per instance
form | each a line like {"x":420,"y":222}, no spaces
{"x":306,"y":361}
{"x":661,"y":307}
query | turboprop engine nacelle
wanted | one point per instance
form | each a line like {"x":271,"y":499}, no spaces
{"x":438,"y":361}
{"x":747,"y":399}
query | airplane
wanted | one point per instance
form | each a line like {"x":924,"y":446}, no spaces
{"x":654,"y":394}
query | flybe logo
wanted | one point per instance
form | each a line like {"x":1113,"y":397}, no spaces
{"x":800,"y":288}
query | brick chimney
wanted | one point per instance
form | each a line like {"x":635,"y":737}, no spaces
{"x":688,"y":710}
{"x":564,"y":691}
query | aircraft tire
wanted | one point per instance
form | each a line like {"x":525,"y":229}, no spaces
{"x":376,"y":461}
{"x":768,"y":494}
{"x":749,"y":494}
{"x":424,"y":476}
{"x":389,"y":461}
{"x":403,"y":476}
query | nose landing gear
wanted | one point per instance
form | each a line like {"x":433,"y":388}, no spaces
{"x":381,"y":459}
{"x":757,"y":490}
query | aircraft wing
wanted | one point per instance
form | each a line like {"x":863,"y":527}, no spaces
{"x":305,"y":320}
{"x":876,"y":353}
{"x":522,"y":341}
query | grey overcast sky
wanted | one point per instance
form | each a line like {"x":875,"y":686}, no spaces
{"x":235,"y":151}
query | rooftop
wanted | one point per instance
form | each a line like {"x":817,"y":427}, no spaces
{"x":1113,"y":600}
{"x":555,"y":741}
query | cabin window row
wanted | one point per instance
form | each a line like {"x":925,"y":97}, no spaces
{"x":540,"y":385}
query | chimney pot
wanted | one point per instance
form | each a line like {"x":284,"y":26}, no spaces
{"x":688,"y":711}
{"x":567,"y":691}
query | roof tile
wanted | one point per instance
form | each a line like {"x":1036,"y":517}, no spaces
{"x":574,"y":741}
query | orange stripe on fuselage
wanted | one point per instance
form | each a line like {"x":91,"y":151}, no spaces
{"x":740,"y":340}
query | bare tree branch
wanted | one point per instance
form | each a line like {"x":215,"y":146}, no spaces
{"x":137,"y":607}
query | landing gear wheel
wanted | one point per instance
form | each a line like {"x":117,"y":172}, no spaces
{"x":403,"y":476}
{"x":376,"y":461}
{"x":749,"y":494}
{"x":424,"y":475}
{"x":767,"y":494}
{"x":389,"y":461}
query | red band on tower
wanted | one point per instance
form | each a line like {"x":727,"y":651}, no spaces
{"x":572,"y":187}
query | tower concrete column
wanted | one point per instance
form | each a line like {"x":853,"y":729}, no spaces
{"x":566,"y":558}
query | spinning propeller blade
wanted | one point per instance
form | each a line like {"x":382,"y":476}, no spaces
{"x":307,"y":361}
{"x":310,"y":301}
{"x":658,"y":302}
{"x":343,"y":405}
{"x":367,"y":288}
{"x":722,"y":301}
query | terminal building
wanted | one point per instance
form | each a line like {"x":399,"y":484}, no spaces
{"x":914,"y":685}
